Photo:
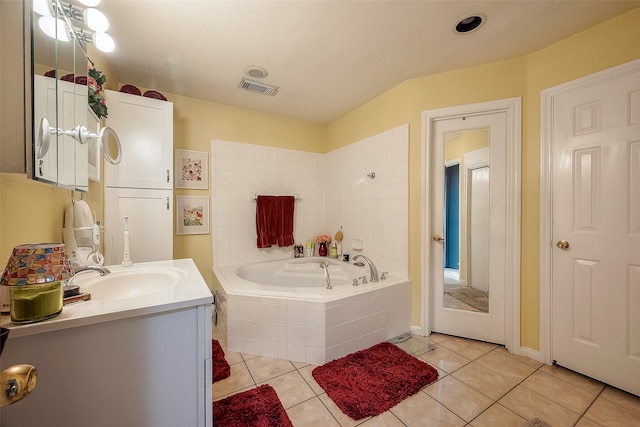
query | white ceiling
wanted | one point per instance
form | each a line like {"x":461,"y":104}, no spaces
{"x":327,"y":57}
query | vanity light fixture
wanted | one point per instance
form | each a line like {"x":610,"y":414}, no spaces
{"x":95,"y":21}
{"x":101,"y":40}
{"x":42,"y":7}
{"x":90,"y":3}
{"x":54,"y":28}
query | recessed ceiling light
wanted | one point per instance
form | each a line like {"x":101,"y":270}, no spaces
{"x":256,"y":71}
{"x":469,"y":23}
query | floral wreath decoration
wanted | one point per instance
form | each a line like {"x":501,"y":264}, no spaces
{"x":95,"y":83}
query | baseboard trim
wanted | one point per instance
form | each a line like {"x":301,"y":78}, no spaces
{"x":416,"y":330}
{"x":530,"y":353}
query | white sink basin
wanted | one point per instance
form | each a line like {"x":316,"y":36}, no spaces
{"x":130,"y":283}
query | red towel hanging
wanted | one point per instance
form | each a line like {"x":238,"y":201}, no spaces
{"x":274,"y":221}
{"x":266,"y":222}
{"x":284,"y":207}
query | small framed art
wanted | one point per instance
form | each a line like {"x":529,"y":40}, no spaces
{"x":191,"y":169}
{"x":192,"y":215}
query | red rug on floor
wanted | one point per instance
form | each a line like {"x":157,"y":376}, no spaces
{"x":371,"y":381}
{"x":258,"y":407}
{"x":221,"y":368}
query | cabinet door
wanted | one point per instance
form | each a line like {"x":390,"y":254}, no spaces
{"x":145,"y":128}
{"x":45,"y":105}
{"x":150,"y":222}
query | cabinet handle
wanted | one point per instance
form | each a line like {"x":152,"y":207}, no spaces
{"x":167,"y":203}
{"x":168,"y":177}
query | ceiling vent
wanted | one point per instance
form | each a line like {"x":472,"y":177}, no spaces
{"x":256,"y":87}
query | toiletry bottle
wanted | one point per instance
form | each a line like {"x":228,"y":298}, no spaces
{"x":333,"y":252}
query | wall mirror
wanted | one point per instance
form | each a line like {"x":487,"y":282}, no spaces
{"x":60,"y":97}
{"x":466,"y":220}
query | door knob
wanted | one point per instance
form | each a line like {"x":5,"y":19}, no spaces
{"x":563,"y":244}
{"x":438,"y":238}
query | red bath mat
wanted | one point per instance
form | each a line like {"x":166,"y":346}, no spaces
{"x":371,"y":381}
{"x":258,"y":407}
{"x":221,"y":368}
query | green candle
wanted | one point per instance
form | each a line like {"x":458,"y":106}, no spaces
{"x":33,"y":303}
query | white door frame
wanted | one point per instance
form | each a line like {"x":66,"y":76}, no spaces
{"x":512,"y":107}
{"x":547,"y":97}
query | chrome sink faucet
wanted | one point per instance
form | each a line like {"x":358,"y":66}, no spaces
{"x":97,"y":268}
{"x":372,"y":268}
{"x":325,"y":266}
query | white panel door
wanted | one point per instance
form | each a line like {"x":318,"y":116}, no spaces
{"x":596,"y":230}
{"x":486,"y":326}
{"x":150,"y":219}
{"x":145,"y":129}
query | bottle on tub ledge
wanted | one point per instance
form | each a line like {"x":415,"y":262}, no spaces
{"x":333,"y":251}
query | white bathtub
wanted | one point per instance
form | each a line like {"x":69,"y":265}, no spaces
{"x":283,"y":308}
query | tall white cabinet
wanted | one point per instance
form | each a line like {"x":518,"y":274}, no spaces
{"x":140,"y":187}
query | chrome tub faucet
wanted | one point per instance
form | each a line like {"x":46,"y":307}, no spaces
{"x":325,"y":266}
{"x":372,"y":268}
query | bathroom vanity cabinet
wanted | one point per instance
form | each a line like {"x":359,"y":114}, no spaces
{"x":142,"y":361}
{"x":150,"y":223}
{"x":140,"y":187}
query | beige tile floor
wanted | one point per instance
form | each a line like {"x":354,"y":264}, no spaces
{"x":480,"y":384}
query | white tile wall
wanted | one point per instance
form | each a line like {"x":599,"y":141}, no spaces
{"x":240,"y":171}
{"x":335,"y":191}
{"x":375,"y":211}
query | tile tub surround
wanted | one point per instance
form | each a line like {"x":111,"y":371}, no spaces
{"x":310,"y":330}
{"x":334,"y":191}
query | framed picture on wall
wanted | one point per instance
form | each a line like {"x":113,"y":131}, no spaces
{"x":192,"y":215}
{"x":191,"y":169}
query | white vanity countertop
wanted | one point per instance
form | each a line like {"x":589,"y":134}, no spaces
{"x":191,"y":291}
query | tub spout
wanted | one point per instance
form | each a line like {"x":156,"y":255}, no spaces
{"x":372,"y":268}
{"x":325,"y":266}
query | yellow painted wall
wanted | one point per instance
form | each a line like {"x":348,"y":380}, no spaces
{"x":30,"y":211}
{"x":405,"y":104}
{"x":196,"y":123}
{"x":611,"y":43}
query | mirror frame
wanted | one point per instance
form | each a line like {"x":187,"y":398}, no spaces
{"x":29,"y":137}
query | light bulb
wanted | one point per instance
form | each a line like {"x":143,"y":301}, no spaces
{"x":90,"y":3}
{"x":95,"y":20}
{"x":41,"y":7}
{"x":103,"y":42}
{"x":54,"y":28}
